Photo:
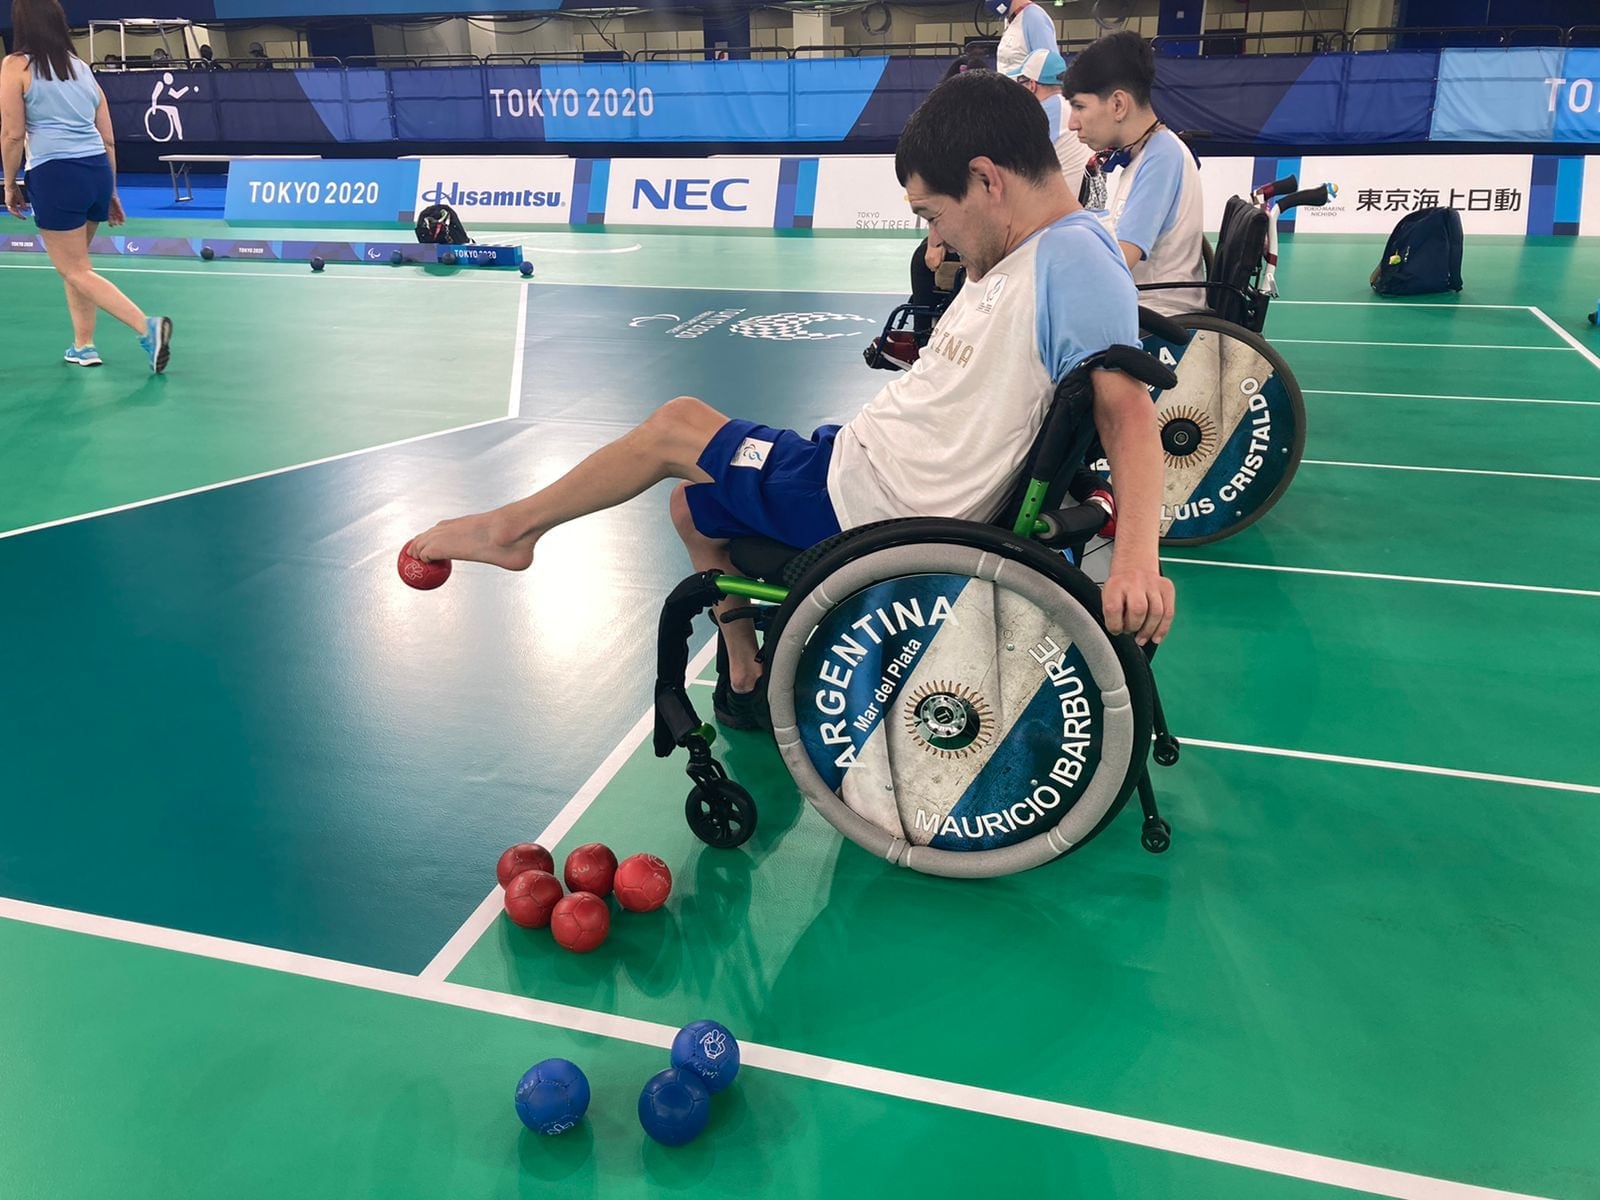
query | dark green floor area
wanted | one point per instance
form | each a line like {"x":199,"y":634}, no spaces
{"x":185,"y":1077}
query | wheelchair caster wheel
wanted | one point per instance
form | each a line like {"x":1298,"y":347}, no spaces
{"x":721,"y":814}
{"x":1156,"y":835}
{"x":1166,"y":751}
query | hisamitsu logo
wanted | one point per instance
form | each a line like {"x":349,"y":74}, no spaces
{"x":459,"y":197}
{"x":688,"y":195}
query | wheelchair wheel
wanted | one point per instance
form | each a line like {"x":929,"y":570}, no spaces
{"x":947,"y":697}
{"x":1232,"y":431}
{"x":721,"y":814}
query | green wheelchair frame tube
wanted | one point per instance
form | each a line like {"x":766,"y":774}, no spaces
{"x":1027,"y":525}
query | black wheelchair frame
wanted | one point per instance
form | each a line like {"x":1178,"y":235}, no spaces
{"x":1042,"y":523}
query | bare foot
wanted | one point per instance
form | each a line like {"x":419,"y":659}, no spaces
{"x":473,"y":539}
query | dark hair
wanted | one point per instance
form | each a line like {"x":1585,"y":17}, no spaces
{"x":973,"y":58}
{"x":1123,"y":61}
{"x":41,"y":33}
{"x":978,"y":113}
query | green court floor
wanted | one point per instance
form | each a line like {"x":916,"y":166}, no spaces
{"x":255,"y":787}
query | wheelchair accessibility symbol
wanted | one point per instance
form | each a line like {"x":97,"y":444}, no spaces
{"x":165,"y":117}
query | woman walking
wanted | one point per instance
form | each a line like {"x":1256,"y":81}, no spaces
{"x":51,"y":106}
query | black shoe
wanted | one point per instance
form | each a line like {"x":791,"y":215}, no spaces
{"x":741,"y":710}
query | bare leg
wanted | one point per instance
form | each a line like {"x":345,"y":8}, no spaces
{"x":80,"y":306}
{"x":69,"y":253}
{"x":666,"y":445}
{"x":744,"y":670}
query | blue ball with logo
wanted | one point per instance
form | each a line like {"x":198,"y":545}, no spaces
{"x":709,"y":1050}
{"x":552,"y":1096}
{"x":674,"y":1106}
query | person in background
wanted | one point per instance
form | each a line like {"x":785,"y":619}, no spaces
{"x":1041,"y":74}
{"x":1157,"y":216}
{"x":53,"y":113}
{"x":1028,"y":28}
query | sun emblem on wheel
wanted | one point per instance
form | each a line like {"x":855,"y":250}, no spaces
{"x":1187,"y":433}
{"x":950,"y":719}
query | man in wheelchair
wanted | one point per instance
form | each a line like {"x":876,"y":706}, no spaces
{"x":1047,"y":291}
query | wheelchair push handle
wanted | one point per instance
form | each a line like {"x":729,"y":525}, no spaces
{"x":1278,"y":187}
{"x":1310,"y":198}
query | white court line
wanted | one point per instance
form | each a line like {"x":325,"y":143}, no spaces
{"x":1278,"y":341}
{"x":538,"y":249}
{"x":1325,"y":462}
{"x":211,"y":487}
{"x":1439,"y":396}
{"x":1565,"y":336}
{"x":395,"y":274}
{"x":514,"y":400}
{"x":454,"y":950}
{"x":363,"y":274}
{"x":1072,"y":1118}
{"x":1471,"y":583}
{"x":685,"y":287}
{"x":1394,"y":307}
{"x":1385,"y":765}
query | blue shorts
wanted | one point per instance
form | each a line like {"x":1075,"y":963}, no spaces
{"x":68,"y":193}
{"x":765,"y":482}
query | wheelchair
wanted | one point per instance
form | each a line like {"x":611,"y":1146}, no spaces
{"x":943,"y":692}
{"x":1233,"y":429}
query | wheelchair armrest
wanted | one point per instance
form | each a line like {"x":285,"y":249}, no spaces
{"x":1070,"y":528}
{"x":1142,"y":365}
{"x":1164,"y":328}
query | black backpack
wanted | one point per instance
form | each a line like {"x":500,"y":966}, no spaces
{"x":1423,"y":255}
{"x":439,"y":225}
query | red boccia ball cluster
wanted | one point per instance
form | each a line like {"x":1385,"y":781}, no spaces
{"x":580,"y":918}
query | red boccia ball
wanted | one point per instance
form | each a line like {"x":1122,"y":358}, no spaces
{"x":532,"y":897}
{"x":424,"y":576}
{"x":642,"y":883}
{"x":590,"y":868}
{"x":580,"y":921}
{"x":524,"y":856}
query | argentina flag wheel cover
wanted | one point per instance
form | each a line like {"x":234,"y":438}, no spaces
{"x":956,"y":707}
{"x":1232,"y":431}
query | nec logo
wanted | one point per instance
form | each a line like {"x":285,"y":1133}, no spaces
{"x":688,"y":195}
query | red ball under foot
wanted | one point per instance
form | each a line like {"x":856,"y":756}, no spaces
{"x":424,"y":576}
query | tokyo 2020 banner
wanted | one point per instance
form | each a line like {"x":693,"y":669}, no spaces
{"x":1498,"y":96}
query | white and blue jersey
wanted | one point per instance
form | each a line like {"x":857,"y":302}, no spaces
{"x":1027,"y":31}
{"x":948,"y":438}
{"x":1071,"y":150}
{"x":1158,"y":209}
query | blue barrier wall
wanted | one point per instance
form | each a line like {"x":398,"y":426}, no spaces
{"x":1500,"y":96}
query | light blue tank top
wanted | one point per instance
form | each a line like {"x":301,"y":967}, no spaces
{"x":60,"y":115}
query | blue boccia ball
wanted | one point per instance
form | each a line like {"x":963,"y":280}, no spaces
{"x":397,"y":258}
{"x":527,"y":270}
{"x":674,"y":1106}
{"x":552,"y":1096}
{"x":709,"y":1050}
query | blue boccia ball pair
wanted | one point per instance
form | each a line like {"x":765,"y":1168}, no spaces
{"x":675,"y":1106}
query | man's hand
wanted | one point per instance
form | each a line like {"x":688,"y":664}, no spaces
{"x":1139,"y":601}
{"x":116,"y":216}
{"x":14,"y":202}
